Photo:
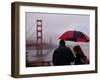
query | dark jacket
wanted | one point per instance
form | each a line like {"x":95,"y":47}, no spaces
{"x":81,"y":60}
{"x":63,"y":56}
{"x":78,"y":60}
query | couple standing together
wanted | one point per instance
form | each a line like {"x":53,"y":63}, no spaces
{"x":64,"y":56}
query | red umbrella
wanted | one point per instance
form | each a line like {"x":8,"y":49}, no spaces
{"x":76,"y":36}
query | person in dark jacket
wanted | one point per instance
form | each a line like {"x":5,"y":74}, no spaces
{"x":81,"y":58}
{"x":62,"y":55}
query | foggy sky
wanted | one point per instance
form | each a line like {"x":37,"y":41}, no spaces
{"x":55,"y":25}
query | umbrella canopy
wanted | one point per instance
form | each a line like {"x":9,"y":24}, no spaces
{"x":75,"y":36}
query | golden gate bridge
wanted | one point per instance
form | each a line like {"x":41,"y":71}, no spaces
{"x":36,"y":40}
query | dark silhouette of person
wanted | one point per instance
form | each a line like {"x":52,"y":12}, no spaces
{"x":81,"y":58}
{"x":62,"y":55}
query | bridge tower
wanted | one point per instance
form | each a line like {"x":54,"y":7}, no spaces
{"x":39,"y":38}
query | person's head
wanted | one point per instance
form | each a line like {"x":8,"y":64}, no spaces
{"x":62,"y":43}
{"x":77,"y":49}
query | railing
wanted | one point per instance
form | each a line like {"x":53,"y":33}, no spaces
{"x":39,"y":63}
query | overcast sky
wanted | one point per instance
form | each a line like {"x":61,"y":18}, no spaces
{"x":55,"y":25}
